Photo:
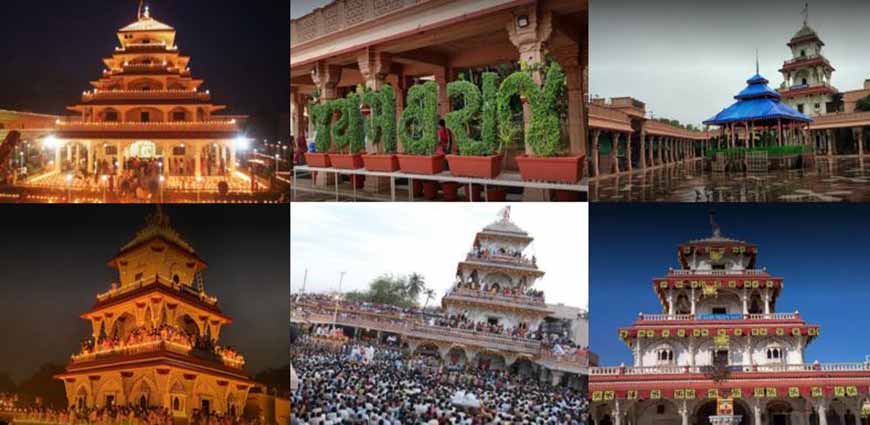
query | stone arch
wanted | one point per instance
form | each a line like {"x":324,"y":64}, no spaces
{"x":665,"y":353}
{"x":109,"y":114}
{"x":730,"y":300}
{"x":456,"y":355}
{"x":110,"y":393}
{"x":179,"y":113}
{"x":650,"y":412}
{"x":138,"y":114}
{"x":488,"y":359}
{"x":755,"y":303}
{"x":177,"y":397}
{"x":122,"y":326}
{"x":144,"y":393}
{"x":426,"y":348}
{"x":205,"y":396}
{"x":145,"y":84}
{"x":759,"y":349}
{"x":683,"y":304}
{"x":83,"y":397}
{"x":188,"y":323}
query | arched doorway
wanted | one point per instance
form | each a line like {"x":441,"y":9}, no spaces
{"x":488,"y":360}
{"x":427,"y":349}
{"x":779,"y":413}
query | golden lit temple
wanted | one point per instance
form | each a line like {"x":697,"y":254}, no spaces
{"x":147,"y":107}
{"x":155,"y":335}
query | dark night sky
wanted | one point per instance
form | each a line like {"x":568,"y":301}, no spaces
{"x":51,"y":50}
{"x":54,"y":265}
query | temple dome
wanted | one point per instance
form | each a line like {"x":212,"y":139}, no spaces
{"x":147,"y":23}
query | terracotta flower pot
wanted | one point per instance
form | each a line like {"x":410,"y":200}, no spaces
{"x":450,"y":189}
{"x":320,"y":160}
{"x":384,"y":163}
{"x":430,"y":190}
{"x":496,"y":194}
{"x":421,"y":164}
{"x":346,"y":161}
{"x":485,"y":167}
{"x":358,"y":181}
{"x":476,"y":192}
{"x":417,"y":188}
{"x":563,"y":169}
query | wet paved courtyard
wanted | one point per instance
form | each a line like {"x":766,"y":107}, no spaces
{"x":836,"y":180}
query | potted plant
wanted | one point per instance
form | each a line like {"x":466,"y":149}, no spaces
{"x":347,"y":133}
{"x":321,"y":116}
{"x":477,"y":158}
{"x":549,"y":161}
{"x":418,"y":130}
{"x":380,"y":128}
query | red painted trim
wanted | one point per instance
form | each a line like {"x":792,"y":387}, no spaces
{"x":393,"y":37}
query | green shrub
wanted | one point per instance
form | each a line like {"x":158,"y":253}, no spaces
{"x":459,"y":121}
{"x":381,"y":126}
{"x":488,"y":116}
{"x":422,"y":113}
{"x":544,"y":133}
{"x":321,"y":116}
{"x":347,"y":131}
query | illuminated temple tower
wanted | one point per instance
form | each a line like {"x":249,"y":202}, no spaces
{"x":159,"y":287}
{"x":147,"y":104}
{"x":807,"y":76}
{"x":719,"y":335}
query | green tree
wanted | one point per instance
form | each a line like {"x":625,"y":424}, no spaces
{"x":430,"y":294}
{"x":863,"y":105}
{"x":415,"y":285}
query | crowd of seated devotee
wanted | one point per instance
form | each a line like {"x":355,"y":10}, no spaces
{"x":461,"y":321}
{"x":379,"y":385}
{"x":517,"y":255}
{"x":123,"y":415}
{"x":143,"y":335}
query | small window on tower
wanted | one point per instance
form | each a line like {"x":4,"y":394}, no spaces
{"x":800,"y":108}
{"x":817,"y":106}
{"x":803,"y":53}
{"x":145,"y":116}
{"x":178,"y":116}
{"x":111,"y":116}
{"x":660,"y":409}
{"x":720,"y":310}
{"x":803,"y":81}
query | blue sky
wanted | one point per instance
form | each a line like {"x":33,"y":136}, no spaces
{"x":821,"y":251}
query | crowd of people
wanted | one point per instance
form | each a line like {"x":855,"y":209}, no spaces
{"x":123,"y":415}
{"x":390,"y":388}
{"x":557,"y":341}
{"x":141,"y":337}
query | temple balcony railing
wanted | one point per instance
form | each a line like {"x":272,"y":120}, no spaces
{"x":505,"y":300}
{"x":223,"y":125}
{"x":700,"y":369}
{"x":648,"y":317}
{"x":745,"y":272}
{"x":155,"y":280}
{"x":145,"y":94}
{"x":415,"y":329}
{"x":144,"y":347}
{"x":501,"y":258}
{"x":805,"y":59}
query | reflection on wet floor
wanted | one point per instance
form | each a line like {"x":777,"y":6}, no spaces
{"x":834,"y":180}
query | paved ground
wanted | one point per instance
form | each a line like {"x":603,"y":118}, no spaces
{"x":840,"y":179}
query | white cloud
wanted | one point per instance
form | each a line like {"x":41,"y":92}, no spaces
{"x":367,"y":240}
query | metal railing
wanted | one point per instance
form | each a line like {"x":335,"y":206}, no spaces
{"x":512,"y":299}
{"x":146,"y":94}
{"x":675,"y":370}
{"x":155,"y":280}
{"x":749,"y":272}
{"x":709,"y":316}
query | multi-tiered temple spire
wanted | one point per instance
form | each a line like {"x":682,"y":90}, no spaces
{"x":155,"y":338}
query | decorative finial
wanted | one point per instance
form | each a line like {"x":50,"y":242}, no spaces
{"x":756,"y":61}
{"x":505,"y":214}
{"x":716,"y":231}
{"x":147,"y":12}
{"x":806,"y":12}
